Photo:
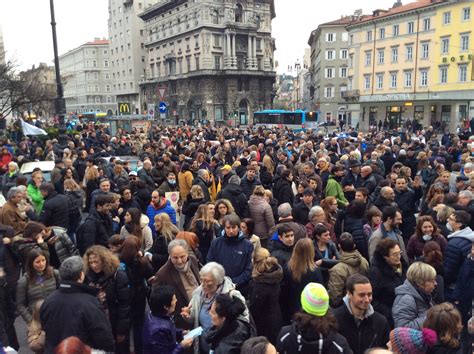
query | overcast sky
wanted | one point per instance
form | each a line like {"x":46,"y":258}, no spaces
{"x":28,"y":40}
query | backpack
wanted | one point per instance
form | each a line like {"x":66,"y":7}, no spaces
{"x":80,"y":235}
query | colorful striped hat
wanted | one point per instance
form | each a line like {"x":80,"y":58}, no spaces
{"x":412,"y":341}
{"x":315,"y":299}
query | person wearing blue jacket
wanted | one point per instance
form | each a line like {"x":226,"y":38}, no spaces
{"x":234,"y":252}
{"x":159,"y":205}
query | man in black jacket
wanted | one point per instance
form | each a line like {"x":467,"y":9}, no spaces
{"x":97,"y":228}
{"x":55,"y":209}
{"x":234,"y":193}
{"x":301,"y":209}
{"x":359,"y":323}
{"x":74,"y":311}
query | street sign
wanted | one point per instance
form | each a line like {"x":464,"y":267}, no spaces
{"x":162,"y":107}
{"x":161,"y":92}
{"x":151,"y":111}
{"x":124,"y":108}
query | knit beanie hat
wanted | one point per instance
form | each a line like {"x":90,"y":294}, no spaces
{"x":315,"y":299}
{"x":412,"y":341}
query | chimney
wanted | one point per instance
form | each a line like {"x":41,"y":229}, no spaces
{"x":397,"y":4}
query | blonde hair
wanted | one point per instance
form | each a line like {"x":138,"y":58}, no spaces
{"x":419,"y":273}
{"x":109,"y":260}
{"x":35,"y":324}
{"x":302,"y":259}
{"x":230,"y":208}
{"x":168,"y":229}
{"x":196,"y":192}
{"x":263,"y":262}
{"x":259,"y":190}
{"x":92,"y":173}
{"x":71,"y":185}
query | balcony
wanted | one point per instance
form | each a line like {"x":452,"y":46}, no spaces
{"x":351,"y":95}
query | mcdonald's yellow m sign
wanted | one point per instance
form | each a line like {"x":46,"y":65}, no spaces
{"x":124,"y":108}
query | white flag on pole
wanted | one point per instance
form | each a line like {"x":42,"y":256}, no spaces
{"x":30,"y":129}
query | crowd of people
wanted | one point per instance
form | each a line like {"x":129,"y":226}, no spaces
{"x":221,"y":240}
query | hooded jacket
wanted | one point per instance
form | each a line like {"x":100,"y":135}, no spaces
{"x":152,"y":211}
{"x":334,"y":189}
{"x":236,"y":196}
{"x":292,"y":341}
{"x":410,"y":306}
{"x":235,"y":255}
{"x":55,"y":211}
{"x":459,"y":246}
{"x":349,"y":263}
{"x":160,"y":335}
{"x":361,"y":334}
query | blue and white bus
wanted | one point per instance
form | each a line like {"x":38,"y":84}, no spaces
{"x":296,"y":120}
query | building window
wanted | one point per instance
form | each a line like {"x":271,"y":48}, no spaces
{"x":106,"y":63}
{"x":217,"y":40}
{"x":462,"y":73}
{"x":369,"y":36}
{"x":328,"y":116}
{"x":107,"y":88}
{"x":411,"y":27}
{"x":366,"y":82}
{"x":409,"y":52}
{"x":393,"y":80}
{"x":464,"y":42}
{"x":446,"y":18}
{"x":259,"y":44}
{"x":345,"y":36}
{"x":443,"y":75}
{"x":466,"y":14}
{"x":217,"y":62}
{"x":197,"y":63}
{"x":408,"y":76}
{"x":215,"y":17}
{"x":238,"y":13}
{"x":379,"y":81}
{"x":426,"y":24}
{"x":396,"y":30}
{"x":343,"y":72}
{"x":381,"y":56}
{"x":329,"y":73}
{"x":425,"y":50}
{"x":343,"y":53}
{"x":368,"y":58}
{"x":328,"y":92}
{"x":96,"y":88}
{"x":330,"y":37}
{"x":423,"y":78}
{"x":382,"y":33}
{"x":394,"y":55}
{"x":444,"y":45}
{"x":330,"y":54}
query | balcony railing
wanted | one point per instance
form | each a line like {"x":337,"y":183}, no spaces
{"x":352,"y":95}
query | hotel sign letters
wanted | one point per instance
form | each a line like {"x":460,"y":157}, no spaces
{"x":461,"y":58}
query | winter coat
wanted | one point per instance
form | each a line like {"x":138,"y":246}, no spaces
{"x":229,"y":338}
{"x":235,"y":255}
{"x":97,"y":229}
{"x":299,"y":230}
{"x":146,"y":177}
{"x":185,"y":180}
{"x":152,"y":211}
{"x":370,"y":183}
{"x":459,"y":246}
{"x":280,"y":251}
{"x":21,"y":247}
{"x":205,"y":236}
{"x":283,"y":192}
{"x":29,"y":291}
{"x":248,"y":186}
{"x":384,"y":280}
{"x":464,"y":291}
{"x":169,"y":275}
{"x":147,"y":238}
{"x":9,"y":181}
{"x":349,"y":263}
{"x":189,"y":209}
{"x":261,"y":212}
{"x":334,"y":189}
{"x":36,"y":197}
{"x":264,"y":303}
{"x":407,"y":201}
{"x":10,"y":215}
{"x":117,"y":293}
{"x":309,"y":227}
{"x":380,"y":234}
{"x":143,"y":198}
{"x":236,"y":196}
{"x":160,"y":335}
{"x":159,"y":252}
{"x":381,"y":203}
{"x":301,"y":213}
{"x":370,"y":332}
{"x":355,"y":226}
{"x":416,"y":244}
{"x":330,"y":258}
{"x":292,"y":341}
{"x":55,"y":211}
{"x":75,"y":203}
{"x":440,"y":348}
{"x":61,"y":245}
{"x":198,"y":181}
{"x":410,"y":306}
{"x":291,"y":290}
{"x":84,"y":320}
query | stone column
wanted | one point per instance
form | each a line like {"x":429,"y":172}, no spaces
{"x":249,"y":53}
{"x":234,"y":55}
{"x":254,"y":56}
{"x":228,"y":51}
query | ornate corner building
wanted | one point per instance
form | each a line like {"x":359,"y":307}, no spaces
{"x":208,"y":61}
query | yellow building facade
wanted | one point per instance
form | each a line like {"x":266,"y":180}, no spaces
{"x":404,"y":73}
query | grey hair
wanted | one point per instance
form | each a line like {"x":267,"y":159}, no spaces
{"x":202,"y":173}
{"x":176,"y":243}
{"x":12,"y":192}
{"x":234,"y":179}
{"x":385,"y":190}
{"x":466,"y":194}
{"x":215,"y":269}
{"x":22,"y":188}
{"x":314,"y":210}
{"x":469,"y":166}
{"x":71,"y":269}
{"x":13,"y":163}
{"x":284,"y":210}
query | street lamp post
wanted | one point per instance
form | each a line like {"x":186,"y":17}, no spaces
{"x":59,"y":102}
{"x":297,"y":67}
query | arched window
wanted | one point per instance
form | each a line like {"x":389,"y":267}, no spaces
{"x":238,"y":13}
{"x":215,"y":16}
